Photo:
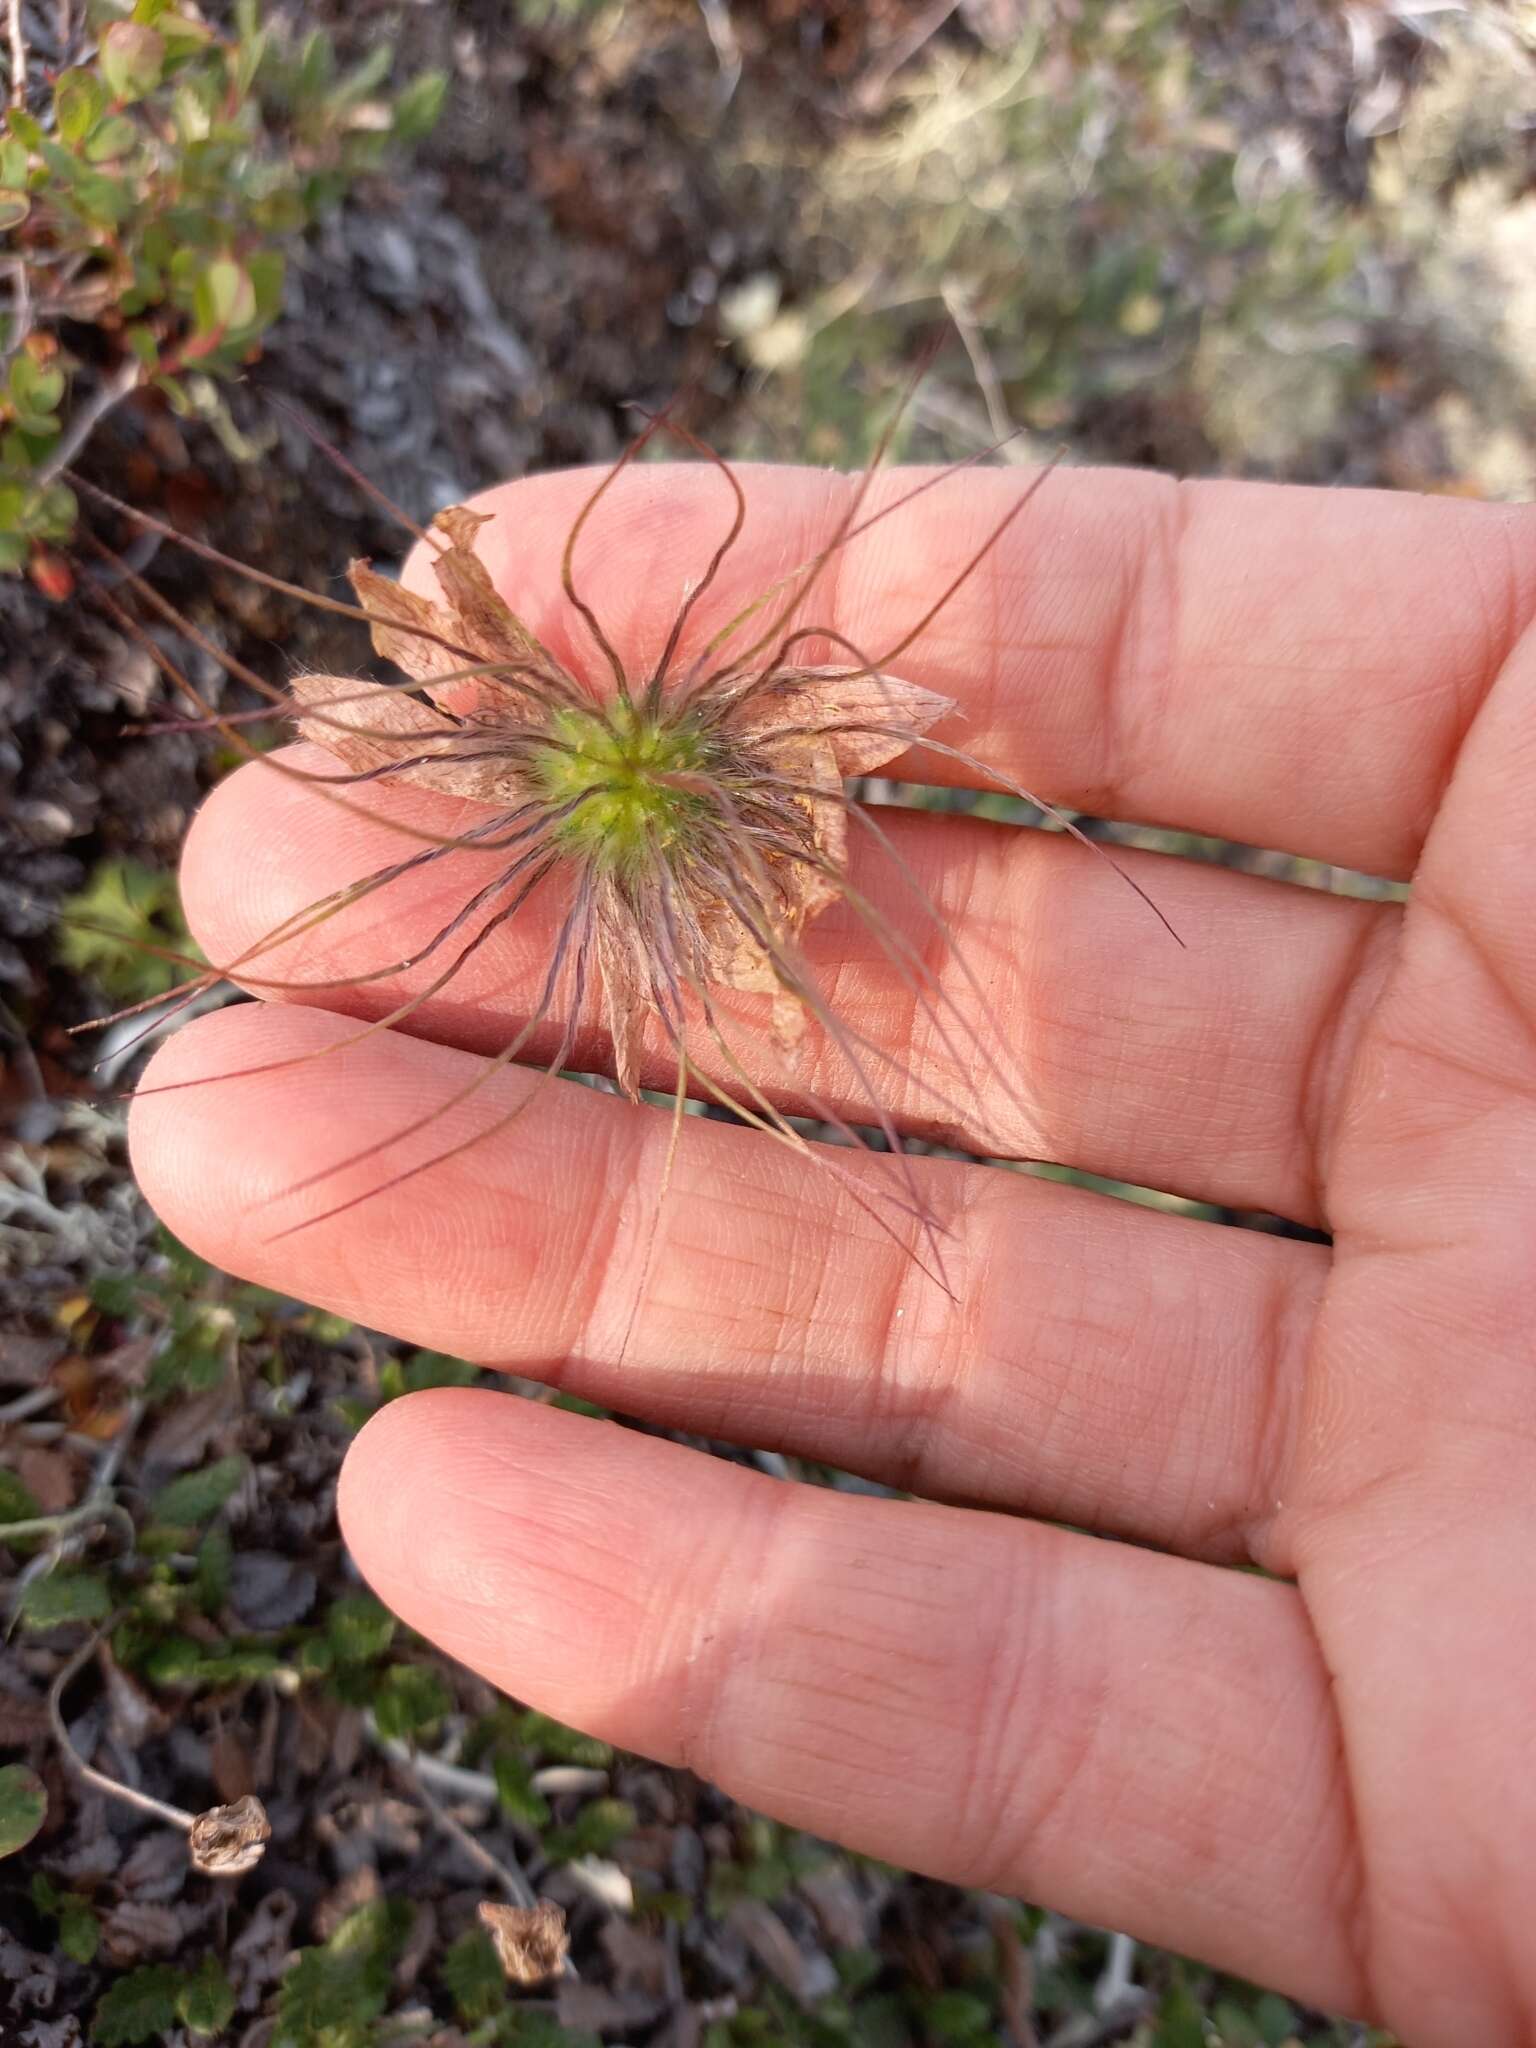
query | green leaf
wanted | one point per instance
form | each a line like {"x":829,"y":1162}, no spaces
{"x":328,"y":2003}
{"x":132,"y":59}
{"x":107,"y":202}
{"x":14,"y":208}
{"x":137,"y":2007}
{"x":515,"y":1789}
{"x":267,"y":269}
{"x":57,"y":513}
{"x":16,"y":1504}
{"x":410,"y":1697}
{"x":141,"y":340}
{"x":359,"y":1628}
{"x":524,"y":2029}
{"x":250,"y":53}
{"x":958,"y":2016}
{"x":35,"y":387}
{"x":330,"y":1994}
{"x":182,"y":35}
{"x":435,"y":1369}
{"x":196,"y":1495}
{"x":363,"y":78}
{"x":66,"y":1596}
{"x":79,"y":1929}
{"x":238,"y":1666}
{"x":107,"y":927}
{"x":317,"y":64}
{"x":213,"y":1561}
{"x":79,"y":101}
{"x":418,"y":106}
{"x":566,"y":1745}
{"x":1180,"y":2023}
{"x":474,"y":1977}
{"x":111,"y":138}
{"x":599,"y":1826}
{"x":206,"y":2002}
{"x":173,"y":1661}
{"x":23,"y":1807}
{"x":1275,"y":2019}
{"x":223,"y":297}
{"x":47,"y":389}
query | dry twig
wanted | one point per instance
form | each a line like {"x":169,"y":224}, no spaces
{"x":18,"y":44}
{"x":225,"y":1841}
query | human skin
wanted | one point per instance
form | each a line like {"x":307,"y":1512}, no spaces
{"x":1324,"y":1779}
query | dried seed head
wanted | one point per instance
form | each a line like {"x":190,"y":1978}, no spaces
{"x":693,"y":824}
{"x":531,"y":1941}
{"x":700,"y":826}
{"x":226,"y":1841}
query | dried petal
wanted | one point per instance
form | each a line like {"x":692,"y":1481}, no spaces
{"x":834,"y":703}
{"x":351,"y":701}
{"x":787,"y":1020}
{"x":482,"y":618}
{"x":626,"y":1000}
{"x":734,"y":958}
{"x":814,"y":888}
{"x":228,"y":1840}
{"x":531,"y":1941}
{"x":474,"y":624}
{"x":391,"y":605}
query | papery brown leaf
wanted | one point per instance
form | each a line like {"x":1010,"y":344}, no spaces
{"x":817,"y":702}
{"x":821,"y":769}
{"x":482,"y":618}
{"x":736,"y":958}
{"x":391,"y":605}
{"x":626,"y":1000}
{"x":374,"y":709}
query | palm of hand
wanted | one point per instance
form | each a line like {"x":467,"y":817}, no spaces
{"x":1324,"y":1784}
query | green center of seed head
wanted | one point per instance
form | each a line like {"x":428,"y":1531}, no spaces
{"x":613,"y":760}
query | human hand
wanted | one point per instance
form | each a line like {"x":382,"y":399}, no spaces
{"x":1325,"y":1784}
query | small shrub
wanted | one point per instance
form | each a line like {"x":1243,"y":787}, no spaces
{"x":147,"y":199}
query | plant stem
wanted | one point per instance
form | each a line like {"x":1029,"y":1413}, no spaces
{"x":127,"y":378}
{"x":18,"y":53}
{"x":509,"y":1876}
{"x":158,"y":1808}
{"x":74,"y":1518}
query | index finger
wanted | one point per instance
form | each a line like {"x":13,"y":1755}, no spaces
{"x":1286,"y":666}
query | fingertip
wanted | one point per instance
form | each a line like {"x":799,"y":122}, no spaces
{"x":392,"y":1474}
{"x":457,"y":1507}
{"x":246,"y":861}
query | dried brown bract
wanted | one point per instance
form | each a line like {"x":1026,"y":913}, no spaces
{"x":227,"y":1841}
{"x":701,"y":825}
{"x":532,"y":1942}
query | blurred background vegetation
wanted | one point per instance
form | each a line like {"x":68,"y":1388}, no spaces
{"x":460,"y":240}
